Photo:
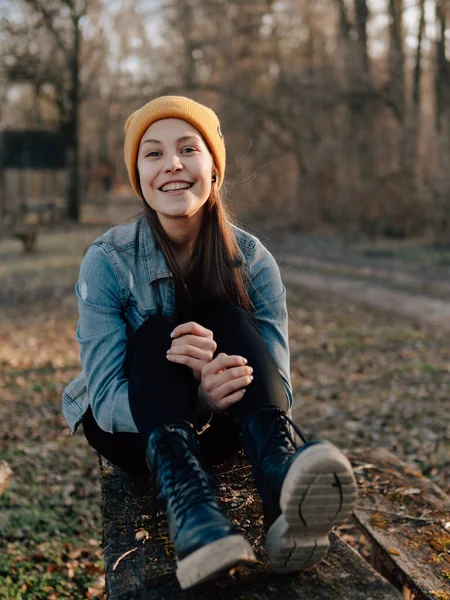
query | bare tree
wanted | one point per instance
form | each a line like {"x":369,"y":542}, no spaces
{"x":54,"y":69}
{"x":310,"y":99}
{"x":396,"y":59}
{"x":442,"y":79}
{"x":418,"y":58}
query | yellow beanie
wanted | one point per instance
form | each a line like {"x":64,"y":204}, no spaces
{"x":201,"y":117}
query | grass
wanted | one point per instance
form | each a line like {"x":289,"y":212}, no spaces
{"x":365,"y":378}
{"x":361,"y":378}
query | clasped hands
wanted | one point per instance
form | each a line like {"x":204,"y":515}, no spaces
{"x":223,"y":380}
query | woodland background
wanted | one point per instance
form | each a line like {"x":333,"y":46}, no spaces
{"x":336,"y":112}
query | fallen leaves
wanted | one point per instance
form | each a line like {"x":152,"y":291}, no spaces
{"x":366,"y":378}
{"x":361,"y":378}
{"x":142,"y":535}
{"x":379,"y":520}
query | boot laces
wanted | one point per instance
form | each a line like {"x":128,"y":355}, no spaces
{"x":280,"y":433}
{"x":189,"y":485}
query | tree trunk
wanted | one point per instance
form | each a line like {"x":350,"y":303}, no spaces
{"x":396,"y":56}
{"x":140,"y":562}
{"x":418,"y":62}
{"x":409,"y":145}
{"x":187,"y":20}
{"x":73,"y":191}
{"x":362,"y":15}
{"x":441,"y":62}
{"x":72,"y":129}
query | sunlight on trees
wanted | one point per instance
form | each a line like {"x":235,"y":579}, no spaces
{"x":336,"y":112}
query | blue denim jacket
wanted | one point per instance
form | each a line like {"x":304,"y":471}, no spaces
{"x":123,"y":279}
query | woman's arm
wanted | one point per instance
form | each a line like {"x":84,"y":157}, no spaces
{"x":268,"y":295}
{"x":101,"y":333}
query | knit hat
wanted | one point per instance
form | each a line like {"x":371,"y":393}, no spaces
{"x":201,"y":117}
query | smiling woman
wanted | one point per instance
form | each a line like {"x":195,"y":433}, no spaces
{"x":176,"y":172}
{"x":185,"y":358}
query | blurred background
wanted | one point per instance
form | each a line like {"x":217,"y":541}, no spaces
{"x":335,"y":112}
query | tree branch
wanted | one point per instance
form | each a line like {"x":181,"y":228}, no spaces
{"x":48,"y":22}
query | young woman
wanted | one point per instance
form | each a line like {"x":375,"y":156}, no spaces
{"x":184,"y":349}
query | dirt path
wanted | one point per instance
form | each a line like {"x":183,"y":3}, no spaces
{"x":364,"y":285}
{"x":426,"y":282}
{"x":414,"y":289}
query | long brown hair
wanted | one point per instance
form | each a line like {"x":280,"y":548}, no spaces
{"x":216,"y":267}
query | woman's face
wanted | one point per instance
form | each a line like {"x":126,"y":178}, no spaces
{"x":175,"y":170}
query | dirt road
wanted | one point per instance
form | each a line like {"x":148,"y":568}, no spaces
{"x":372,"y":288}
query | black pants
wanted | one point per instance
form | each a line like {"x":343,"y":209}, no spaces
{"x":160,"y":390}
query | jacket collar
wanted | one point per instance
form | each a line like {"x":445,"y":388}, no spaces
{"x":155,"y":264}
{"x":152,"y":256}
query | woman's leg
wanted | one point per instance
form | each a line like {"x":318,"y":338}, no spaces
{"x":220,"y":440}
{"x":306,"y":490}
{"x":236,"y":332}
{"x":158,"y":389}
{"x":126,"y":450}
{"x":163,"y":402}
{"x":162,"y":391}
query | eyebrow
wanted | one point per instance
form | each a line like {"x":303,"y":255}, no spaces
{"x":185,"y":138}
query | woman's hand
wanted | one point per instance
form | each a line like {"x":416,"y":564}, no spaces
{"x":224,"y":381}
{"x":193,"y":346}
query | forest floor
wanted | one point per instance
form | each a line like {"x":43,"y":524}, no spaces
{"x":364,"y":375}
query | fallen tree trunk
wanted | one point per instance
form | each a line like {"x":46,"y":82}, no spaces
{"x":140,"y":563}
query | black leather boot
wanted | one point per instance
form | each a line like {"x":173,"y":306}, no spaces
{"x":206,"y":543}
{"x":305,"y":490}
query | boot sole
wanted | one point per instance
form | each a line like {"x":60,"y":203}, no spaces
{"x":318,"y":492}
{"x":210,"y":561}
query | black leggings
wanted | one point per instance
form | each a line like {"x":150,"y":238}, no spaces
{"x":160,"y":390}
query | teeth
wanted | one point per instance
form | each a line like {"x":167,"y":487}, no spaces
{"x":170,"y":187}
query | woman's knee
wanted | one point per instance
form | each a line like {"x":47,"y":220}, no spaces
{"x":154,"y":331}
{"x":230,"y":316}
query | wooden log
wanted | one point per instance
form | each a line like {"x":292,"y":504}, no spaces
{"x":407,"y":519}
{"x":5,"y":476}
{"x":141,"y":565}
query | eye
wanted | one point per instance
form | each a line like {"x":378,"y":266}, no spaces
{"x":153,"y":153}
{"x":188,"y":149}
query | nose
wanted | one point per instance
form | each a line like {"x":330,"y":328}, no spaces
{"x":172,"y":163}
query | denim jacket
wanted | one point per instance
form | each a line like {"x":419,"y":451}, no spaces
{"x":124,"y":279}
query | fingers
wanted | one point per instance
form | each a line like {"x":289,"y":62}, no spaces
{"x":191,"y":328}
{"x":228,"y":401}
{"x":232,"y":385}
{"x":224,"y":380}
{"x":234,"y":374}
{"x":195,"y":364}
{"x":193,"y":351}
{"x":217,"y":389}
{"x":193,"y":345}
{"x":190,"y":351}
{"x":224,"y":361}
{"x":206,"y":343}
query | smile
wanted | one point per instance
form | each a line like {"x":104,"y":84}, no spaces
{"x":175,"y":185}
